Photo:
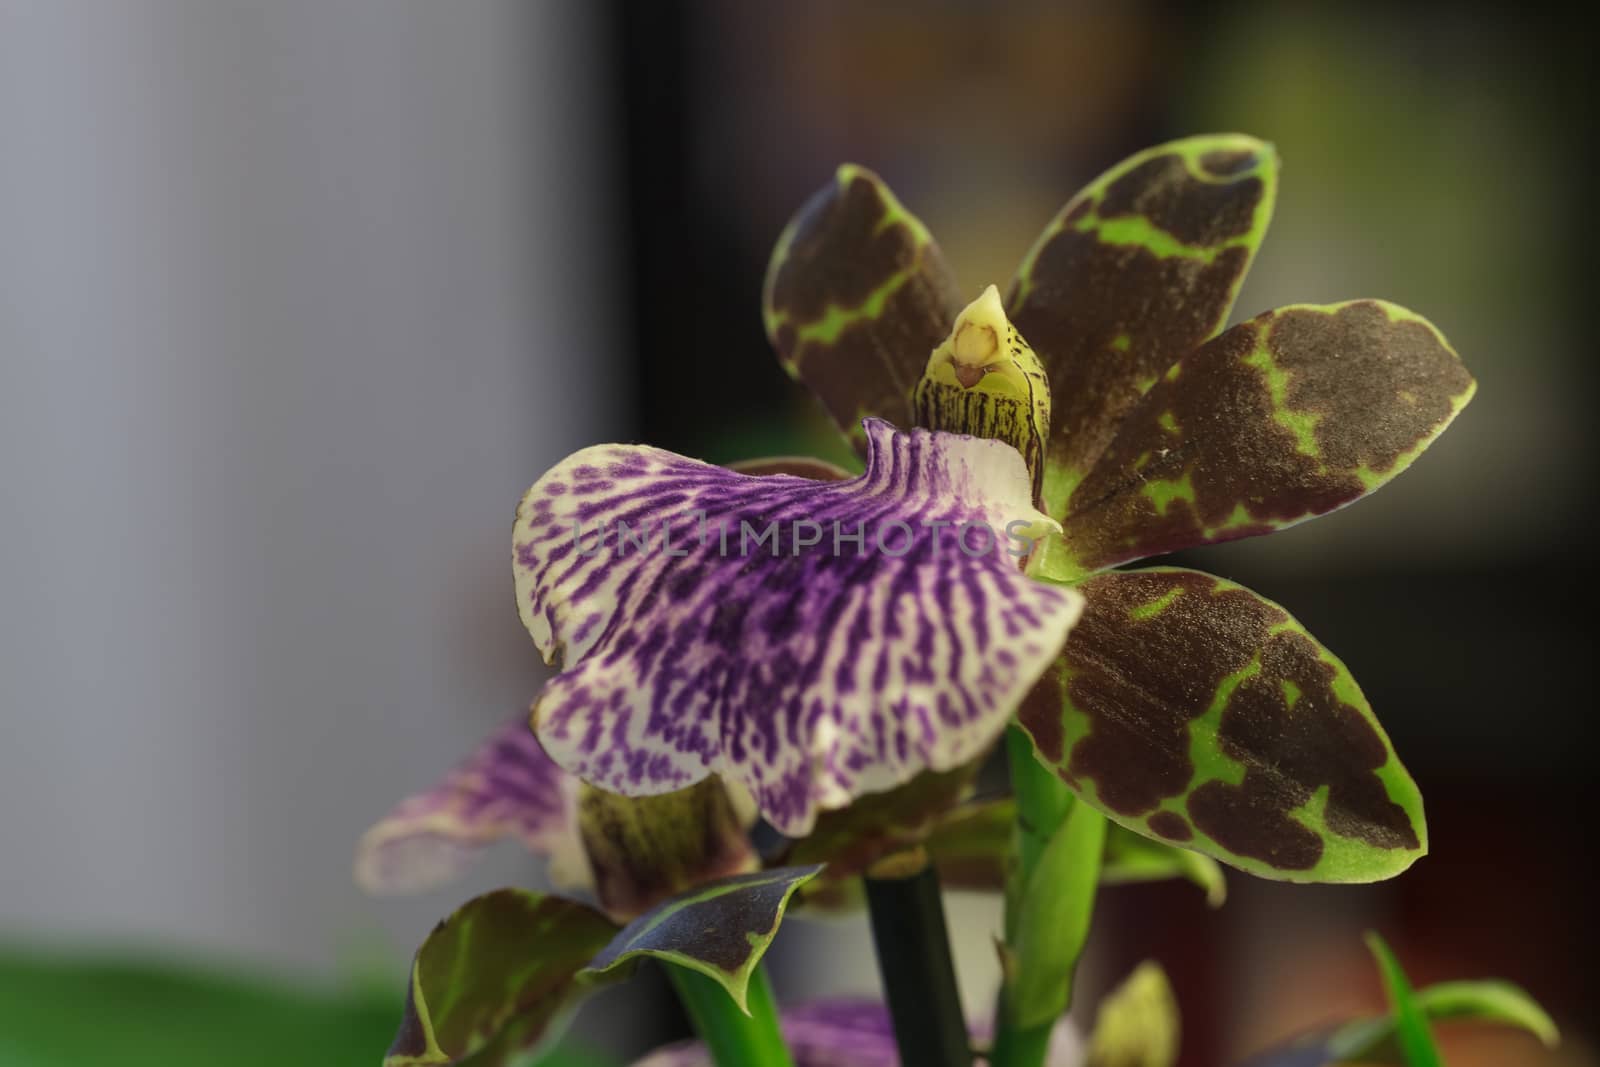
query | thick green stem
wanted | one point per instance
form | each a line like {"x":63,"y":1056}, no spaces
{"x":919,"y":976}
{"x":1058,"y":841}
{"x":733,"y":1038}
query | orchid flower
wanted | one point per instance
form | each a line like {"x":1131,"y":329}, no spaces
{"x":830,"y":652}
{"x":1183,"y":707}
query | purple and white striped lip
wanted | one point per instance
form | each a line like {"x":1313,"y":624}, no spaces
{"x":508,"y":787}
{"x":849,"y":1032}
{"x":811,"y":677}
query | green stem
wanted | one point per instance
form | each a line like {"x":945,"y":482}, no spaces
{"x":1052,"y":826}
{"x":1043,"y":802}
{"x":919,"y":976}
{"x":733,"y":1038}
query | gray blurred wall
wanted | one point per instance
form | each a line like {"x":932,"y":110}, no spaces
{"x":295,"y":299}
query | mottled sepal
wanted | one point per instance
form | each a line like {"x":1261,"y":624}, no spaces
{"x":970,"y":845}
{"x":1198,"y":713}
{"x":851,"y":839}
{"x":1131,"y":857}
{"x":986,"y":381}
{"x":856,"y":296}
{"x":507,"y":788}
{"x":1371,"y":1041}
{"x":848,"y":1032}
{"x":720,"y":930}
{"x":495,"y":980}
{"x":1281,"y":419}
{"x":1137,"y":1024}
{"x":645,"y":849}
{"x":755,"y":636}
{"x":1138,"y":269}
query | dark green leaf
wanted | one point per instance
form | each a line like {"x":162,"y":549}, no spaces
{"x":721,"y":930}
{"x":496,"y":979}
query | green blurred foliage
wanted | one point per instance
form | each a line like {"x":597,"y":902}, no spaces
{"x":93,"y":1011}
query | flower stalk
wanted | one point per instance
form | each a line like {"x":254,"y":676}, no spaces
{"x":1057,"y":843}
{"x":913,"y":947}
{"x":733,"y":1038}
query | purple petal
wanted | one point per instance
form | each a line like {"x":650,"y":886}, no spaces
{"x":847,"y":1032}
{"x":507,"y":788}
{"x":810,"y":672}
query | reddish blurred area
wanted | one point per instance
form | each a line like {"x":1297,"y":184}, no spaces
{"x":1429,"y":158}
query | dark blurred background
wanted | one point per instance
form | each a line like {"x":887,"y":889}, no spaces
{"x":297,"y":298}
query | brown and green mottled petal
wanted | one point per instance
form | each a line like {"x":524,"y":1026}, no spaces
{"x":970,"y":847}
{"x":645,"y":849}
{"x":720,"y":930}
{"x":1138,"y":269}
{"x":1198,"y":713}
{"x":857,"y":295}
{"x":495,"y":980}
{"x":1281,"y":419}
{"x":1371,"y":1041}
{"x":851,"y":839}
{"x":1131,"y":857}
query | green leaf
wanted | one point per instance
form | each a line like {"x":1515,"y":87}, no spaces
{"x":857,"y":296}
{"x":1372,"y":1041}
{"x":1411,"y":1026}
{"x":61,"y":1009}
{"x":1283,"y":418}
{"x":1137,"y":1023}
{"x":1136,"y":271}
{"x":721,"y":930}
{"x":1055,"y":910}
{"x":1132,"y":857}
{"x":1195,"y":712}
{"x":1492,"y":1001}
{"x":496,"y":979}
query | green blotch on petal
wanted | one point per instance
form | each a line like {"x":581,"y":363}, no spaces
{"x":1155,"y":607}
{"x":1163,"y":493}
{"x":1303,"y":424}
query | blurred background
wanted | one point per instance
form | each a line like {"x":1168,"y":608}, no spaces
{"x":296,"y":298}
